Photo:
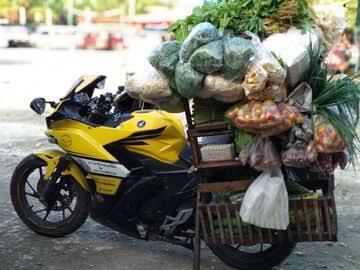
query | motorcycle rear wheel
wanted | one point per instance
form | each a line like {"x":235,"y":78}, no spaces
{"x":245,"y":260}
{"x":67,"y":213}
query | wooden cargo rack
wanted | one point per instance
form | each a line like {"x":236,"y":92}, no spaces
{"x":311,"y":219}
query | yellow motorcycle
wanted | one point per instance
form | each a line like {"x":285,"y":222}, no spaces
{"x":125,"y":165}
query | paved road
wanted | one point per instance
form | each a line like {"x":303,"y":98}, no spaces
{"x":94,"y":246}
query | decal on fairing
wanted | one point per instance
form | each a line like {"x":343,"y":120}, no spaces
{"x":102,"y":168}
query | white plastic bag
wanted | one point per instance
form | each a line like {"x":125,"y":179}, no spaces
{"x":292,"y":48}
{"x":266,"y":202}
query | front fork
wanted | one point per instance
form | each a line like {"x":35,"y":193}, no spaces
{"x":50,"y":184}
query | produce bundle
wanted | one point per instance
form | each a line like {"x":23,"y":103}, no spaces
{"x":264,"y":117}
{"x":258,"y":65}
{"x":327,"y":140}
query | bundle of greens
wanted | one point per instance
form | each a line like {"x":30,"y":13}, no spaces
{"x":262,"y":17}
{"x":208,"y":110}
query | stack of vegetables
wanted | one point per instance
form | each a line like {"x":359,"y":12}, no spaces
{"x":269,"y":84}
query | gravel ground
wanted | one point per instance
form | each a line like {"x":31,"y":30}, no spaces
{"x":95,"y":246}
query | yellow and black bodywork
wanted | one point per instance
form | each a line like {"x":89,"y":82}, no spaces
{"x":131,"y":165}
{"x":151,"y":133}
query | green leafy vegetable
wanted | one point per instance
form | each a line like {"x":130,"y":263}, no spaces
{"x":246,"y":15}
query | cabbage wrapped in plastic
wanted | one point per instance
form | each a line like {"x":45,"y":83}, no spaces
{"x":237,"y":55}
{"x":149,"y":84}
{"x":201,"y":34}
{"x":173,"y":104}
{"x":218,"y":88}
{"x":188,"y":80}
{"x":208,"y":58}
{"x":164,"y":58}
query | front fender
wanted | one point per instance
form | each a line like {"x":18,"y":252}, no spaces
{"x":52,"y":156}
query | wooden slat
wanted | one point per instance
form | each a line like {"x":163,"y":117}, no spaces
{"x":222,"y":235}
{"x":270,"y":235}
{"x":225,"y":186}
{"x":307,"y":220}
{"x":251,"y":235}
{"x":219,"y":164}
{"x":212,"y":230}
{"x":213,"y":126}
{"x":297,"y":220}
{"x":289,"y":232}
{"x":236,"y":210}
{"x":328,"y":222}
{"x":228,"y":217}
{"x":202,"y":222}
{"x":317,"y":218}
{"x":261,"y":238}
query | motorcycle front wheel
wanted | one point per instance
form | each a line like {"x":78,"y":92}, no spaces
{"x":69,"y":206}
{"x":258,"y":257}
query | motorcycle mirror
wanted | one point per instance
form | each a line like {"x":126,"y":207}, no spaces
{"x":38,"y":105}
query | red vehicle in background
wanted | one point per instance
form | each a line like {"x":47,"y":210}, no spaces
{"x":102,"y":41}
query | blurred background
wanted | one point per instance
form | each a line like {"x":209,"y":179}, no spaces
{"x":46,"y":45}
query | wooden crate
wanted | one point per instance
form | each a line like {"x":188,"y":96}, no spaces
{"x":194,"y":132}
{"x":311,"y":220}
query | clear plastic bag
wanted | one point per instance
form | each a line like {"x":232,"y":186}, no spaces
{"x":200,"y":35}
{"x":237,"y":55}
{"x":208,"y":58}
{"x":301,"y":97}
{"x":164,"y":58}
{"x":255,"y":79}
{"x":263,"y":155}
{"x":271,"y":91}
{"x":221,"y":89}
{"x":326,"y":139}
{"x":276,"y":74}
{"x":255,"y":115}
{"x":148,"y":84}
{"x":295,"y":157}
{"x":266,"y":202}
{"x":188,"y":81}
{"x":173,"y":104}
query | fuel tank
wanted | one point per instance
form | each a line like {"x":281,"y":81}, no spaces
{"x":157,"y":134}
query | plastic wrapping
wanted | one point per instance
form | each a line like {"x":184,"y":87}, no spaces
{"x":326,"y":139}
{"x":242,"y":140}
{"x":201,"y":34}
{"x":148,"y":84}
{"x":255,"y":79}
{"x":292,"y":48}
{"x":295,"y":157}
{"x":255,"y":115}
{"x":188,"y":81}
{"x":265,"y":77}
{"x":221,"y":89}
{"x":237,"y":55}
{"x":271,"y":91}
{"x":164,"y":58}
{"x":208,"y":58}
{"x":301,"y":97}
{"x":172,"y":104}
{"x":266,"y":202}
{"x":263,"y":155}
{"x":289,"y":115}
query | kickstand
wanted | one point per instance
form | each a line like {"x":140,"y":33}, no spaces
{"x":197,"y":246}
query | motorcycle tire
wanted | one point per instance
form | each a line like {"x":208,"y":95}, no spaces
{"x":25,"y":209}
{"x":263,"y":260}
